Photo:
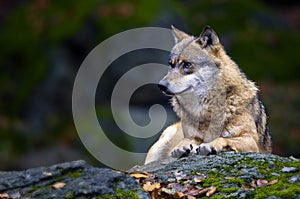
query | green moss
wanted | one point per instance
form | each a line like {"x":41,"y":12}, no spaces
{"x":193,"y":173}
{"x":281,"y":188}
{"x":70,"y":173}
{"x":70,"y":195}
{"x":216,"y":197}
{"x":237,"y":181}
{"x":75,"y":174}
{"x":213,"y":181}
{"x":120,"y":194}
{"x":224,"y":176}
{"x":228,"y":190}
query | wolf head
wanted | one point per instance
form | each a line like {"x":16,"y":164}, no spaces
{"x":192,"y":64}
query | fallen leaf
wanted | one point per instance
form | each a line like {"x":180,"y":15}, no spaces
{"x":148,"y":186}
{"x":4,"y":195}
{"x":253,"y":184}
{"x":58,"y":185}
{"x":202,"y":191}
{"x":191,"y":197}
{"x":211,"y":191}
{"x":198,"y":178}
{"x":192,"y":192}
{"x":179,"y":195}
{"x":272,"y":182}
{"x":180,"y":176}
{"x":261,"y":182}
{"x":139,"y":175}
{"x":178,"y":187}
{"x":246,"y":187}
{"x":187,"y":182}
{"x":155,"y":194}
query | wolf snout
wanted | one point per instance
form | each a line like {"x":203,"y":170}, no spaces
{"x":163,"y":85}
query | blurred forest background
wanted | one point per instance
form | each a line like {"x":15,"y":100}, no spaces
{"x":43,"y":43}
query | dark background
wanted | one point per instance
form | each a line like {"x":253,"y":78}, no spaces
{"x":43,"y":43}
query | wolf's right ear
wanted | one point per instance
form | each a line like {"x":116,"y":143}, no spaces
{"x":178,"y":34}
{"x":208,"y":37}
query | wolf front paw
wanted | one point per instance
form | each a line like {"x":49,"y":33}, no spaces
{"x":206,"y":149}
{"x":184,"y":152}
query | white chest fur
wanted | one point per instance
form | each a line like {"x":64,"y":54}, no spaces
{"x":192,"y":112}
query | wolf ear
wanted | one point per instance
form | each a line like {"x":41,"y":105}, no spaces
{"x":178,"y":34}
{"x":208,"y":37}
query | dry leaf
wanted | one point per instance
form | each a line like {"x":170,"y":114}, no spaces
{"x":187,"y":182}
{"x":272,"y":182}
{"x":181,"y":176}
{"x":197,"y":179}
{"x":211,"y":191}
{"x":246,"y":187}
{"x":202,"y":191}
{"x":253,"y":184}
{"x":58,"y":185}
{"x":4,"y":195}
{"x":148,"y":186}
{"x":179,"y":195}
{"x":261,"y":182}
{"x":139,"y":175}
{"x":191,"y":197}
{"x":193,"y":192}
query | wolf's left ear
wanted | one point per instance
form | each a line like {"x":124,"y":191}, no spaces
{"x":178,"y":34}
{"x":208,"y":37}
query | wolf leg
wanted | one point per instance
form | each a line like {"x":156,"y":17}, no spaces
{"x":167,"y":141}
{"x":238,"y":144}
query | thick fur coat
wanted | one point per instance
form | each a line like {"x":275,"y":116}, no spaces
{"x":217,"y":104}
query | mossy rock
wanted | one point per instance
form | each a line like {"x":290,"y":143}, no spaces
{"x":235,"y":175}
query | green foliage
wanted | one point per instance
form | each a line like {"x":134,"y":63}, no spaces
{"x":29,"y":34}
{"x":262,"y":48}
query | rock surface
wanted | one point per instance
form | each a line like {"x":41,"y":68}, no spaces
{"x":230,"y":175}
{"x":74,"y":179}
{"x":235,"y":175}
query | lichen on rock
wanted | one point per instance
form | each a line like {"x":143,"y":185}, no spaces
{"x":226,"y":175}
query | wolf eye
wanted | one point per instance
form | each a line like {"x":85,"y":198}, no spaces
{"x":172,"y":63}
{"x":186,"y":65}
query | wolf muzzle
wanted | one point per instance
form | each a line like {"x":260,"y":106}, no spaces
{"x":163,"y":85}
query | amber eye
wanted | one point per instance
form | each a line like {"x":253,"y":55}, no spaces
{"x":186,"y":65}
{"x":172,"y":63}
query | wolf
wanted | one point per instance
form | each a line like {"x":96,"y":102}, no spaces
{"x":218,"y":106}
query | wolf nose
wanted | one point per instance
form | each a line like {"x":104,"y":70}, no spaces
{"x":163,"y":85}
